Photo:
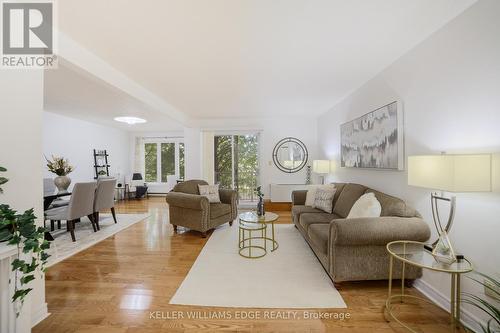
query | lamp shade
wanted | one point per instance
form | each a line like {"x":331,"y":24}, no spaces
{"x":451,"y":173}
{"x":136,"y":176}
{"x":321,"y":166}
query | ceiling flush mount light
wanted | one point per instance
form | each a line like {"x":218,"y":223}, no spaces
{"x":130,"y":120}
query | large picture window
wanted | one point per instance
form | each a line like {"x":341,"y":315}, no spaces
{"x":163,"y":159}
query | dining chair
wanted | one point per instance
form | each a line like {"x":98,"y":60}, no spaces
{"x":104,"y":198}
{"x":49,"y":188}
{"x":81,"y":204}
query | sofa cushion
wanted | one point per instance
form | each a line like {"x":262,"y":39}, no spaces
{"x":339,"y":187}
{"x":306,"y":219}
{"x":392,"y":206}
{"x":189,"y":186}
{"x":210,"y":191}
{"x":219,"y":209}
{"x":366,"y":206}
{"x":297,"y":210}
{"x":350,"y":194}
{"x":311,"y":192}
{"x":318,"y":234}
{"x":323,"y":199}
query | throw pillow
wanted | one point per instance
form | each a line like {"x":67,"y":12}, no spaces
{"x":211,"y":192}
{"x":366,"y":206}
{"x":311,"y":193}
{"x":324,"y":199}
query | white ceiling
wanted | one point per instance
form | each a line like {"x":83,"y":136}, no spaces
{"x":72,"y":92}
{"x":245,"y":58}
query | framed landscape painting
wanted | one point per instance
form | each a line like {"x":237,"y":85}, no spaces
{"x":374,"y":140}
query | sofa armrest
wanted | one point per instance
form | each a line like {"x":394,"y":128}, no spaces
{"x":230,"y":197}
{"x":378,"y":230}
{"x":299,"y":197}
{"x":189,"y":201}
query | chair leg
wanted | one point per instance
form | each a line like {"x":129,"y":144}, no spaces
{"x":96,"y":219}
{"x":113,"y":213}
{"x":230,"y":223}
{"x":175,"y":228}
{"x":58,"y":224}
{"x":71,"y":224}
{"x":91,"y":218}
{"x":52,"y":225}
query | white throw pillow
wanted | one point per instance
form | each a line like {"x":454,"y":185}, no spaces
{"x":211,"y":192}
{"x":324,"y":199}
{"x":311,"y":193}
{"x":366,"y":206}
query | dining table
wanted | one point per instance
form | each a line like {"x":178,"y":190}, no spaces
{"x":47,"y":201}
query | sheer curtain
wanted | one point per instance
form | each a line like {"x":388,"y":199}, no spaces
{"x":208,"y":156}
{"x":139,"y":156}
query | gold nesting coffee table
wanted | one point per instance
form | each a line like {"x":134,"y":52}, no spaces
{"x":254,"y":247}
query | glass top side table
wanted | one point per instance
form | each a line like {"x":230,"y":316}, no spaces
{"x":268,"y":218}
{"x":414,"y":254}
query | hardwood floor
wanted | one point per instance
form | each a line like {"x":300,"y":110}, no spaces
{"x":119,"y":284}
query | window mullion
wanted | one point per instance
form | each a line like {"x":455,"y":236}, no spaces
{"x":158,"y":162}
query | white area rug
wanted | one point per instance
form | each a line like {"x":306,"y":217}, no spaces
{"x":63,"y":247}
{"x":290,"y":277}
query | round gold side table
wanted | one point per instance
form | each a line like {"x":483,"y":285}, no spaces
{"x":268,"y":218}
{"x":245,"y":250}
{"x":414,"y":254}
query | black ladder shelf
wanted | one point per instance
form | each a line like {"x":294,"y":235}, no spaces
{"x":101,"y":165}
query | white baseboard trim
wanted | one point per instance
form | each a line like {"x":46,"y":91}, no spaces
{"x":468,"y":319}
{"x":39,"y":314}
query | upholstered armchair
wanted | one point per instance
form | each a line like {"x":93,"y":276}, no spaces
{"x":187,"y":208}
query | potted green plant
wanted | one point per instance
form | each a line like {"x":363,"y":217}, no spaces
{"x":61,"y":167}
{"x":488,"y":307}
{"x":4,"y":230}
{"x":21,"y":231}
{"x":260,"y":205}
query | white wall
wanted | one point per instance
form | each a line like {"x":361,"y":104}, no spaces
{"x":75,"y":139}
{"x":192,"y":144}
{"x":272,"y":130}
{"x":450,"y":88}
{"x":21,"y":96}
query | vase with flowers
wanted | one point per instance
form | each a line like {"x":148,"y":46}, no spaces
{"x":260,"y":205}
{"x":61,"y":167}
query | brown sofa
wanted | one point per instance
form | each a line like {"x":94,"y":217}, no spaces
{"x":187,"y":208}
{"x":355,"y":249}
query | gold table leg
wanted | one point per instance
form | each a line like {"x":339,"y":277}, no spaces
{"x":388,"y":303}
{"x":453,"y":299}
{"x":403,"y":275}
{"x":458,"y":300}
{"x":250,"y":242}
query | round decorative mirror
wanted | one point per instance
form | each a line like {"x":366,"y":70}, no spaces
{"x":290,"y":155}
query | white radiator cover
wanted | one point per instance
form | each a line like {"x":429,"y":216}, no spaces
{"x":8,"y":321}
{"x":283,"y":192}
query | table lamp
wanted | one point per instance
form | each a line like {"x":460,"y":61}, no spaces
{"x":449,"y":173}
{"x":323,"y":167}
